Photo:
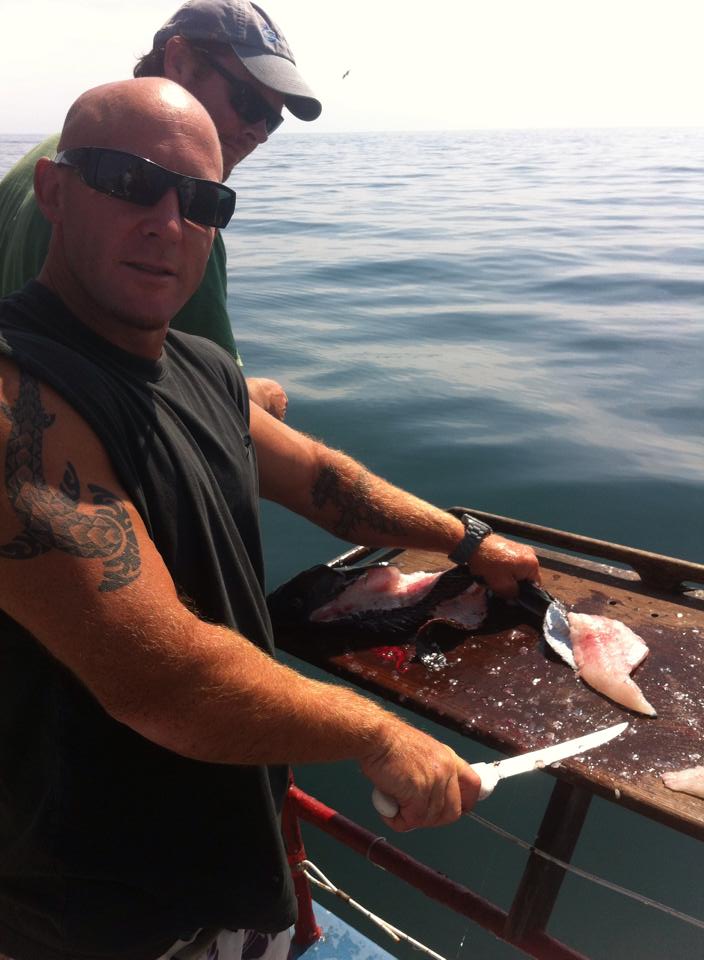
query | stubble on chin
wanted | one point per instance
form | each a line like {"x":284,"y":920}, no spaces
{"x":146,"y":323}
{"x":231,"y":156}
{"x":227,"y":168}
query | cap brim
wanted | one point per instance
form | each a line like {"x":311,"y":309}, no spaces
{"x":281,"y":75}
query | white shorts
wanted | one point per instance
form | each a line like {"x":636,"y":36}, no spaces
{"x":228,"y":945}
{"x":231,"y":945}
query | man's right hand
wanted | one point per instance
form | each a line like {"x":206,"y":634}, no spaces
{"x":431,"y":784}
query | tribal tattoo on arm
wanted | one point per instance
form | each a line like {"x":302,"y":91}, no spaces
{"x":353,"y":501}
{"x":51,"y":518}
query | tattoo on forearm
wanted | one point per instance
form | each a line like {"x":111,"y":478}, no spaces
{"x":353,"y":501}
{"x":51,"y":518}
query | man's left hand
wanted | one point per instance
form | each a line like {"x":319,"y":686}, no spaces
{"x":269,"y":395}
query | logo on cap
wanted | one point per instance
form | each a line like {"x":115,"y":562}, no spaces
{"x":270,"y":35}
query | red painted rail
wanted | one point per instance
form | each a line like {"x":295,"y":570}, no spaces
{"x":438,"y":887}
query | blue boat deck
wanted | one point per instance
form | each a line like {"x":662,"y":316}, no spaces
{"x":338,"y":942}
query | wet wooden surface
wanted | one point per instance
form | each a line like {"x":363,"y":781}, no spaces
{"x":501,"y":688}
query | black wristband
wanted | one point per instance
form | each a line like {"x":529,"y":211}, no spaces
{"x":474,"y":532}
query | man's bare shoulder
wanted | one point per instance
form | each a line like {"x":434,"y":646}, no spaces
{"x":59,"y":496}
{"x":77,"y":567}
{"x":33,"y":415}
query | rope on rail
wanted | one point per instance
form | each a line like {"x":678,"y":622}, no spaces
{"x":585,"y":875}
{"x":316,"y":876}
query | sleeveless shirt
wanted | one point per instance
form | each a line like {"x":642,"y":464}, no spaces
{"x":111,"y":846}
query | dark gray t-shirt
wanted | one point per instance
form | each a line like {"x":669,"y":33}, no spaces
{"x":110,"y":846}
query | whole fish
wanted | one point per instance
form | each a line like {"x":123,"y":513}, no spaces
{"x":379,"y":599}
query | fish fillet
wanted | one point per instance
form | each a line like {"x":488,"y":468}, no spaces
{"x":606,"y":651}
{"x":689,"y":781}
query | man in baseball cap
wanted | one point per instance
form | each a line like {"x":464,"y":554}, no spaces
{"x":233,"y":58}
{"x":254,"y":38}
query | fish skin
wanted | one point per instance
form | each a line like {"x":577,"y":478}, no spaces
{"x":556,"y":631}
{"x":689,"y":781}
{"x":606,"y":651}
{"x":365,"y":599}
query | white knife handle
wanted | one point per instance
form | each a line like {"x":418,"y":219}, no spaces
{"x":386,"y":806}
{"x":489,"y":777}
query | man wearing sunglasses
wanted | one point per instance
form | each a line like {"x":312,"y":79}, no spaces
{"x":145,"y":726}
{"x":233,"y":58}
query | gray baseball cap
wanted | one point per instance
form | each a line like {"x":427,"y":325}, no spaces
{"x":255,"y":39}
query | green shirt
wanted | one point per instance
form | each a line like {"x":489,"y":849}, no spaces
{"x":24,"y":241}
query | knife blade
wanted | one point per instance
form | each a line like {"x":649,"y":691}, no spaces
{"x":533,"y":597}
{"x":490,"y":773}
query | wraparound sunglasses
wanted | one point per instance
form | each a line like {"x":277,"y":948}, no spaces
{"x":126,"y":176}
{"x":244,"y":99}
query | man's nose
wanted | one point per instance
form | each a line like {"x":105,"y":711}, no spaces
{"x":258,"y":131}
{"x":164,"y":217}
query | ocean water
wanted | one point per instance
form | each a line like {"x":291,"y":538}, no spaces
{"x":510,"y":320}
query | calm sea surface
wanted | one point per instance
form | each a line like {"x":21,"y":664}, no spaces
{"x":512,"y":321}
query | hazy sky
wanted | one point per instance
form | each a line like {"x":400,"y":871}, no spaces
{"x":437,"y":65}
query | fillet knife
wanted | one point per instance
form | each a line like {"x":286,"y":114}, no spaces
{"x":491,"y":773}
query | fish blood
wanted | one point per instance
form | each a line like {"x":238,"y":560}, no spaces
{"x":396,"y":655}
{"x":605,"y":652}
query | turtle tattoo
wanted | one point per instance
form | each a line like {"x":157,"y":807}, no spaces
{"x":51,"y":518}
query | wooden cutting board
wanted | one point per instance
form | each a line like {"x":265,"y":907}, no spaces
{"x":502,"y":688}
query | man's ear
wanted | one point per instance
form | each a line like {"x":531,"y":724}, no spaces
{"x":48,"y":189}
{"x":179,"y":61}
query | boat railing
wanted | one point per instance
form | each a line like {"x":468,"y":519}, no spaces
{"x":514,"y":927}
{"x":653,"y":570}
{"x":523,"y":926}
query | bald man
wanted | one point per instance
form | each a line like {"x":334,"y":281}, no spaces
{"x":146,"y":724}
{"x":233,"y":57}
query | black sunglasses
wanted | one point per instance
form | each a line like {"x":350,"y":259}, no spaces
{"x":245,"y":100}
{"x":137,"y":180}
